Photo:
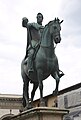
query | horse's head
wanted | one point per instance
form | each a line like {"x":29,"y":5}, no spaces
{"x":54,"y":29}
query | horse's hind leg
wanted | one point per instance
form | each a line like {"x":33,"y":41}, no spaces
{"x":56,"y":77}
{"x":40,"y":78}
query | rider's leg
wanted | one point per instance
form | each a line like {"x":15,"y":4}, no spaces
{"x":30,"y":60}
{"x":31,"y":52}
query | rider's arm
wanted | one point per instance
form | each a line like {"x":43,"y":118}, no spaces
{"x":28,"y":25}
{"x":34,"y":25}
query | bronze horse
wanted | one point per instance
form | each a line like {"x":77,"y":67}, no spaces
{"x":45,"y":63}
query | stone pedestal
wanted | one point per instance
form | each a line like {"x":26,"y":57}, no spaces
{"x":41,"y":113}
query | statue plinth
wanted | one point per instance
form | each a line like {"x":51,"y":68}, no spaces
{"x":41,"y":113}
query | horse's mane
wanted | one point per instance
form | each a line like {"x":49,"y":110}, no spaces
{"x":53,"y":21}
{"x":46,"y":27}
{"x":49,"y":23}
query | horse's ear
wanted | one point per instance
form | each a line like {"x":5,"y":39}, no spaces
{"x":55,"y":19}
{"x":58,"y":19}
{"x":61,"y":21}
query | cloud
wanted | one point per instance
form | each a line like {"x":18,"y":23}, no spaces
{"x":71,"y":30}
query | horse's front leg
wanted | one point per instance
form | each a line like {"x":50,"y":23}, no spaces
{"x":26,"y":94}
{"x":56,"y":77}
{"x":40,"y":75}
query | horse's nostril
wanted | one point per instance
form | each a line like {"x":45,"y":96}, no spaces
{"x":57,"y":38}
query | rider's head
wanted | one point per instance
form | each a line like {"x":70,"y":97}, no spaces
{"x":39,"y":18}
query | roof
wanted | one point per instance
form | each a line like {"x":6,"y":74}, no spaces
{"x":10,"y":96}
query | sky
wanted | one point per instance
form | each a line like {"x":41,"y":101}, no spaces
{"x":13,"y":40}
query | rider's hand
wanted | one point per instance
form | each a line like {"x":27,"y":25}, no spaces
{"x":24,"y":22}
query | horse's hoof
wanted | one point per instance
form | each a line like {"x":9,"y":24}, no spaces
{"x":24,"y":109}
{"x":55,"y":92}
{"x":27,"y":107}
{"x":21,"y":110}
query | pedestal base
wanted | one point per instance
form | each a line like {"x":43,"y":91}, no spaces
{"x":41,"y":113}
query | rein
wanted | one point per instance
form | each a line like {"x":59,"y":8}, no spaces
{"x":48,"y":46}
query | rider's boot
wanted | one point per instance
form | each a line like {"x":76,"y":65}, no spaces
{"x":61,"y":74}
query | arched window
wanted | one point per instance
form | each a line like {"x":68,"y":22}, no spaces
{"x":6,"y":117}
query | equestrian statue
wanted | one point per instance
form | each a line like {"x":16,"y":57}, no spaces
{"x":40,"y":60}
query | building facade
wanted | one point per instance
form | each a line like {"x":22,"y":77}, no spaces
{"x":9,"y":105}
{"x":70,"y":99}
